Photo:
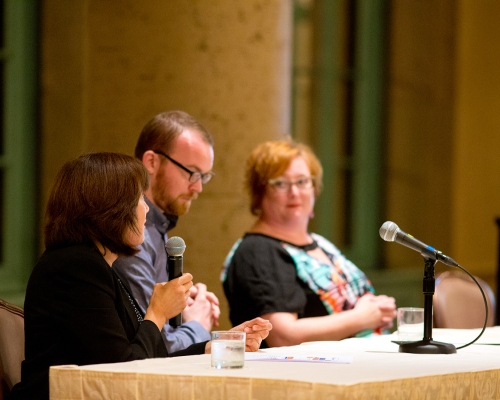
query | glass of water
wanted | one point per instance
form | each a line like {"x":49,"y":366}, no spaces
{"x":228,"y":349}
{"x":410,"y":324}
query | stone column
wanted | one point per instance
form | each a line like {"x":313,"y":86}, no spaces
{"x":108,"y":67}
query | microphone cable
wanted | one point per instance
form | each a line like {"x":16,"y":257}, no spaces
{"x":389,"y":232}
{"x":485,"y":307}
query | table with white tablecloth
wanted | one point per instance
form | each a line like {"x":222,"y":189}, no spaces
{"x":377,"y":371}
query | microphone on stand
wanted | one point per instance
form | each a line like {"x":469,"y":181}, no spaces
{"x":390,"y":232}
{"x":175,"y":247}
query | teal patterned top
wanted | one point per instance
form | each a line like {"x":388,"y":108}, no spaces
{"x":338,"y":286}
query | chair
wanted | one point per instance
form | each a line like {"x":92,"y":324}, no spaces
{"x":11,"y":346}
{"x":458,"y":303}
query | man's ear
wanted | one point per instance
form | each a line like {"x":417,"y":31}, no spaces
{"x":151,"y":161}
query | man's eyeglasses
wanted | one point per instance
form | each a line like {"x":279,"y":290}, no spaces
{"x":194,"y":176}
{"x":280,"y":185}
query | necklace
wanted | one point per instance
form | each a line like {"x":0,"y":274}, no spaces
{"x":305,"y":247}
{"x":137,"y":312}
{"x":310,"y":246}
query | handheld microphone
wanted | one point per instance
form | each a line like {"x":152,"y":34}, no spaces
{"x":390,"y":232}
{"x":175,"y":247}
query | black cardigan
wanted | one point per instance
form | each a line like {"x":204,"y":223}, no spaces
{"x":76,"y":312}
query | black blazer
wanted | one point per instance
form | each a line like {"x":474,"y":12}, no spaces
{"x":77,"y":312}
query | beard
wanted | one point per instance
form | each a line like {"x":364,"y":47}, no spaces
{"x":178,"y":206}
{"x":170,"y":205}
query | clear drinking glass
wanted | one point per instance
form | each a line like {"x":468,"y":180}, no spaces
{"x":410,"y":324}
{"x":228,"y":349}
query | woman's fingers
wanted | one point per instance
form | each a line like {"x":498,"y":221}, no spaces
{"x":256,"y":330}
{"x":169,"y":299}
{"x":186,"y":282}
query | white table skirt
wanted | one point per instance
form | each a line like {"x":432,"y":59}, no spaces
{"x":378,"y":371}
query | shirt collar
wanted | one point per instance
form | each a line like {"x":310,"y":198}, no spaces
{"x":163,"y":222}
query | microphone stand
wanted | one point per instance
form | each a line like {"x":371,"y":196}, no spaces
{"x":427,"y":345}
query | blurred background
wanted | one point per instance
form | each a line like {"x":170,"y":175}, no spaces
{"x":399,"y":99}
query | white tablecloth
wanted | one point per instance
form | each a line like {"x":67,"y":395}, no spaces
{"x":378,"y":371}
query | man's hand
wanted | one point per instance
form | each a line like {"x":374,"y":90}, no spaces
{"x":202,"y":306}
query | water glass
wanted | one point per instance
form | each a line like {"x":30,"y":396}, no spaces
{"x":410,"y":324}
{"x":228,"y":349}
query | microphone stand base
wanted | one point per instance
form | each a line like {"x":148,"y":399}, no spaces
{"x":427,"y":347}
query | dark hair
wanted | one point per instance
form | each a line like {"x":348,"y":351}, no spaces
{"x":95,"y":198}
{"x":161,"y":131}
{"x":269,"y":160}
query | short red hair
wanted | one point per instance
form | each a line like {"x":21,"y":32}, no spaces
{"x":269,"y":160}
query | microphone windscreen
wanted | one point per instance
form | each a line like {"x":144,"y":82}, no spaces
{"x":175,"y":246}
{"x":388,"y":231}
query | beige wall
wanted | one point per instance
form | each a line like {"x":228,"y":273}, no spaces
{"x":419,"y":127}
{"x":106,"y":70}
{"x":476,"y":164}
{"x":443,"y":130}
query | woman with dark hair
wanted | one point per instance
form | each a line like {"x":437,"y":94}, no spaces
{"x":77,"y":310}
{"x":282,"y":272}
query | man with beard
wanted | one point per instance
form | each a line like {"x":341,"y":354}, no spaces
{"x":178,"y":153}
